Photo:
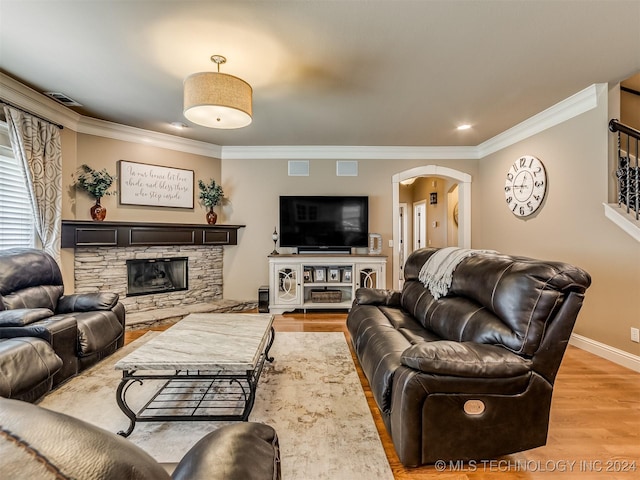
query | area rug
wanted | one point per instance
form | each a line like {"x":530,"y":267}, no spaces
{"x":310,"y":394}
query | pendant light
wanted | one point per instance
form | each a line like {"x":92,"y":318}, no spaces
{"x":217,"y":100}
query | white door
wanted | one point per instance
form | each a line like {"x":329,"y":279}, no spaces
{"x":420,"y":224}
{"x":402,"y":236}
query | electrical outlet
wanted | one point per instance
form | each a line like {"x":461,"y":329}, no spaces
{"x":635,"y":335}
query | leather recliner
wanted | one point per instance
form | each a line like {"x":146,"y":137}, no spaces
{"x":81,"y":329}
{"x":38,"y":443}
{"x":470,"y":375}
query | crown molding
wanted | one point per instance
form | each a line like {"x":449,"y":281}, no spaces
{"x":33,"y":101}
{"x":24,"y":97}
{"x":575,"y":105}
{"x":30,"y":100}
{"x":571,"y":107}
{"x":328,"y":152}
{"x":117,"y":131}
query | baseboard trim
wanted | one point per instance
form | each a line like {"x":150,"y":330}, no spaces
{"x":607,"y":352}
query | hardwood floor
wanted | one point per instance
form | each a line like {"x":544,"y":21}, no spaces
{"x":594,"y":431}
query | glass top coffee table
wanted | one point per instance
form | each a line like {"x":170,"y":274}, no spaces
{"x":209,"y":365}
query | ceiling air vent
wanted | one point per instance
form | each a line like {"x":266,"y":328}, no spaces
{"x":63,"y":99}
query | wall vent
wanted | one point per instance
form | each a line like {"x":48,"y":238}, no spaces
{"x":63,"y":99}
{"x":347,"y":168}
{"x":298,"y":168}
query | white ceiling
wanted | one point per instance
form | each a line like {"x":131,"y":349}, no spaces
{"x":376,"y":73}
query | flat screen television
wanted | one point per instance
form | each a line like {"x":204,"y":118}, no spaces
{"x":324,"y":223}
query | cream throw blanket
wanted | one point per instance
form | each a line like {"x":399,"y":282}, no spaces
{"x":437,"y":272}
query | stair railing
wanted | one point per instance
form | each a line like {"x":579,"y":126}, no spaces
{"x":628,"y":171}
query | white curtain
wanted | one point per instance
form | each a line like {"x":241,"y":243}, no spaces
{"x":36,"y":144}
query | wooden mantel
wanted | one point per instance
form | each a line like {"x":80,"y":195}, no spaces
{"x":87,"y":233}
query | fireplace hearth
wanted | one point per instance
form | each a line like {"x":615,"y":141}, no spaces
{"x":156,"y":275}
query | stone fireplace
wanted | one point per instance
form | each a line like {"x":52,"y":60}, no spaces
{"x":107,"y":254}
{"x":108,"y":269}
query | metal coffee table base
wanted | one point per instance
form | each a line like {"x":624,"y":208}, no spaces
{"x":194,"y":395}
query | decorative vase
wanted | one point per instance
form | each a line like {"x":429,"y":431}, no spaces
{"x":98,"y":212}
{"x":212,"y":217}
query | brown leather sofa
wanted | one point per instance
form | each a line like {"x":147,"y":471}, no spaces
{"x":469,"y":375}
{"x":38,"y":443}
{"x":47,"y":337}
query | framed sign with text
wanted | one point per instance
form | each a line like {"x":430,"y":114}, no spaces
{"x":154,"y":185}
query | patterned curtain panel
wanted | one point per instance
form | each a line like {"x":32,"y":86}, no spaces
{"x":36,"y":144}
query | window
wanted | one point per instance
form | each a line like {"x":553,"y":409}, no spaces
{"x":16,"y":220}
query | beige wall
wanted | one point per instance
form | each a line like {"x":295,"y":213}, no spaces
{"x":68,"y":140}
{"x":571,"y":225}
{"x":255,"y":186}
{"x":98,"y":153}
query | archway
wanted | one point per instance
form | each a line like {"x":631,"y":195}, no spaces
{"x":464,"y":207}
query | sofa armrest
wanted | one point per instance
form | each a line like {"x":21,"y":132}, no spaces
{"x":20,"y":317}
{"x":61,"y":332}
{"x":464,"y":359}
{"x":378,"y":296}
{"x":242,"y":451}
{"x":87,"y":302}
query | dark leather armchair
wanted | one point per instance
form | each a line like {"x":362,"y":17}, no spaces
{"x":468,"y":375}
{"x":81,"y":328}
{"x":38,"y":443}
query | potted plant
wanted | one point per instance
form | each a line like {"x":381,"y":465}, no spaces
{"x":96,"y":183}
{"x":211,"y":194}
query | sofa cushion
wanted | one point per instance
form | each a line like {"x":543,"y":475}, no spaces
{"x":494,"y":299}
{"x":242,"y":451}
{"x":464,"y":359}
{"x":27,"y":267}
{"x":24,"y":363}
{"x":39,"y":443}
{"x":377,"y":296}
{"x":23,"y":316}
{"x":41,"y":296}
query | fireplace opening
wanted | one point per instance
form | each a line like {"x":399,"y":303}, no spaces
{"x":157,"y":275}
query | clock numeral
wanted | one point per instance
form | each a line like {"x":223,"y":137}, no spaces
{"x":523,"y":162}
{"x":515,"y":206}
{"x":537,"y":171}
{"x":530,"y":206}
{"x":521,"y":210}
{"x":510,"y":176}
{"x":509,"y":200}
{"x":507,"y":189}
{"x":538,"y":184}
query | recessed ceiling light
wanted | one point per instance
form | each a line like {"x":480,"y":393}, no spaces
{"x":178,"y":125}
{"x":464,"y":126}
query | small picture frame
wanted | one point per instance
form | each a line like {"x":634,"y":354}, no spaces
{"x":433,"y":198}
{"x":334,"y":275}
{"x":306,"y":275}
{"x":346,"y":275}
{"x":319,"y":275}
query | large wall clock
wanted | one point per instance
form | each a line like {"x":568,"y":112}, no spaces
{"x":525,"y":186}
